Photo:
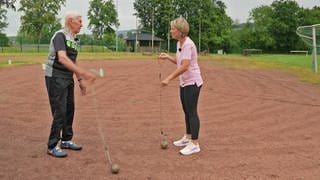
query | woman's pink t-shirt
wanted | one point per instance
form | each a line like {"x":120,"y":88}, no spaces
{"x":189,"y":52}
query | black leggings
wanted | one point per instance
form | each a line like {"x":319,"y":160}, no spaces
{"x":189,"y":96}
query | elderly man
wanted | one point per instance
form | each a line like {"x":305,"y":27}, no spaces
{"x":60,"y":67}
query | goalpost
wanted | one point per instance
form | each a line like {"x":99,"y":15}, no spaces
{"x":311,"y":36}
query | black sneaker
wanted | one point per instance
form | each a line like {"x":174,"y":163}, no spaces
{"x":57,"y":152}
{"x":70,"y":145}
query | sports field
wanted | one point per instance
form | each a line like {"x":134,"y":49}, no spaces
{"x":255,"y":124}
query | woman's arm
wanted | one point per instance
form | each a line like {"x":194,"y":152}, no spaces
{"x":183,"y":68}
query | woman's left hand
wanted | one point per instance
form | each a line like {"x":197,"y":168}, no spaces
{"x":165,"y":82}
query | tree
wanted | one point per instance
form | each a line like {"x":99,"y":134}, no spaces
{"x":242,"y":36}
{"x":8,"y":3}
{"x":260,"y":31}
{"x":39,"y":17}
{"x":310,"y":16}
{"x":49,"y":30}
{"x":102,"y":17}
{"x":286,"y":15}
{"x":3,"y":19}
{"x":216,"y":25}
{"x":155,"y":15}
{"x":273,"y":28}
{"x":4,"y":40}
{"x":206,"y":18}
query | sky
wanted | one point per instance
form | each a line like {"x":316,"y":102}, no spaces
{"x":236,"y":9}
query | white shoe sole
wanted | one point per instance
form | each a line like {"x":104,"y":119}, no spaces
{"x":190,"y":152}
{"x":180,"y":145}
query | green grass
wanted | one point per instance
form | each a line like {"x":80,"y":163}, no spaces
{"x":4,"y":64}
{"x":114,"y":56}
{"x":39,"y":58}
{"x":43,"y":48}
{"x":299,"y":65}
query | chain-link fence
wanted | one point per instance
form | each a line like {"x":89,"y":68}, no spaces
{"x":45,"y":48}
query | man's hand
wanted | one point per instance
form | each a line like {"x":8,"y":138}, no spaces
{"x":83,"y":88}
{"x":88,"y":76}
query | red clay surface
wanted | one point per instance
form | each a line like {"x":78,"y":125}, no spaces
{"x":255,"y":124}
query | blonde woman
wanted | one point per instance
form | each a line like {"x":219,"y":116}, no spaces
{"x":191,"y":81}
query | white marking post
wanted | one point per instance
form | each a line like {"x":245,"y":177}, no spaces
{"x":99,"y":72}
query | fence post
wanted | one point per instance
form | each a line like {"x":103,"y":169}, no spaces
{"x":21,"y":44}
{"x":1,"y":45}
{"x":92,"y":44}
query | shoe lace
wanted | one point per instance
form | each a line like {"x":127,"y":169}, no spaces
{"x":57,"y":149}
{"x":68,"y":142}
{"x":190,"y":145}
{"x":184,"y":139}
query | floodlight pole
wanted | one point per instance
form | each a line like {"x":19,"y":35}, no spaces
{"x":314,"y":52}
{"x":199,"y":32}
{"x":169,"y":27}
{"x":117,"y":28}
{"x":136,"y":43}
{"x":152,"y":38}
{"x":169,"y":37}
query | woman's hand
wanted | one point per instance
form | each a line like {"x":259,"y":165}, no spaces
{"x":163,"y":56}
{"x":165,"y":82}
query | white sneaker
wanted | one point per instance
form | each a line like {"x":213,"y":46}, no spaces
{"x":190,"y":149}
{"x":182,"y":142}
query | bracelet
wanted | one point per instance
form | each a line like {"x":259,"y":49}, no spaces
{"x":79,"y":79}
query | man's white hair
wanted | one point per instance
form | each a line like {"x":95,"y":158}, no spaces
{"x":71,"y":14}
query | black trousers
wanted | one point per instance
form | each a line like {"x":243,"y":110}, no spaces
{"x":189,"y":96}
{"x":61,"y":98}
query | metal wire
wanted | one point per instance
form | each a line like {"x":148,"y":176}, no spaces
{"x":160,"y":104}
{"x":106,"y":149}
{"x":160,"y":100}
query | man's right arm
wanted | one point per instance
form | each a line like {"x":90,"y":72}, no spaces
{"x":60,"y":47}
{"x":66,"y":62}
{"x":80,"y":72}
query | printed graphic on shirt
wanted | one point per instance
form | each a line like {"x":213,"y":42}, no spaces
{"x":71,"y":44}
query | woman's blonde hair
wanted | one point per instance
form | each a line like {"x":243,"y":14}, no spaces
{"x":182,"y":25}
